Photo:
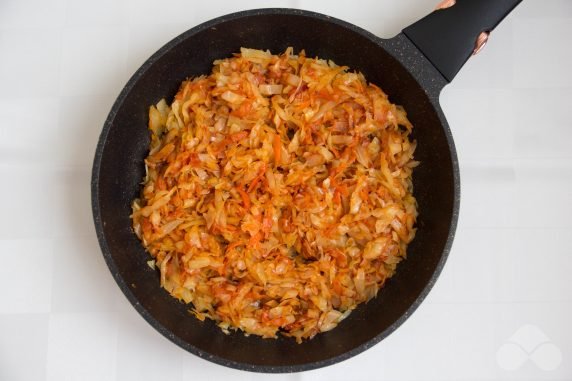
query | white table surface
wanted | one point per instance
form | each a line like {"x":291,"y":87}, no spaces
{"x":502,"y":308}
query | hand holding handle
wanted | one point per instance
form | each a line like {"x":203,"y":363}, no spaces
{"x":448,"y":36}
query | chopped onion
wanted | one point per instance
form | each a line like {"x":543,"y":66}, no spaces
{"x":270,"y":89}
{"x":232,"y":97}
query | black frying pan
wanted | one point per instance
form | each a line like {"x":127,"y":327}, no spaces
{"x":412,"y":68}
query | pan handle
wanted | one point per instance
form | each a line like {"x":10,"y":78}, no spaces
{"x":456,"y":30}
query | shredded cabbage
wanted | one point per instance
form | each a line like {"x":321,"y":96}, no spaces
{"x":278,"y":193}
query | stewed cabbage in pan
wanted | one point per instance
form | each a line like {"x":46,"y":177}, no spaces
{"x":278,"y":193}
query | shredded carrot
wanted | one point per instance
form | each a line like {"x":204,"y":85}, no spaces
{"x":255,"y":239}
{"x":231,"y":246}
{"x":277,"y":145}
{"x":238,"y":136}
{"x":257,"y":178}
{"x":244,"y":196}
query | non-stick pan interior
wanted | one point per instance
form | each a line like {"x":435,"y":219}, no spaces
{"x":118,"y":171}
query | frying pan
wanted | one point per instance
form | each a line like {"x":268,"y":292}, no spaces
{"x":411,"y":68}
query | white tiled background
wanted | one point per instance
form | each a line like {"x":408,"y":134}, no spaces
{"x":508,"y":279}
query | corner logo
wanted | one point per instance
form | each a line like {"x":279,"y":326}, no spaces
{"x":529,"y":343}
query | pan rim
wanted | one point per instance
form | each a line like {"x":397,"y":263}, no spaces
{"x":99,"y":224}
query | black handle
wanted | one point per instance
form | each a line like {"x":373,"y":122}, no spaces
{"x":447,"y":37}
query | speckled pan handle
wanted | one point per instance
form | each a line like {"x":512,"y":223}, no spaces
{"x":456,"y":30}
